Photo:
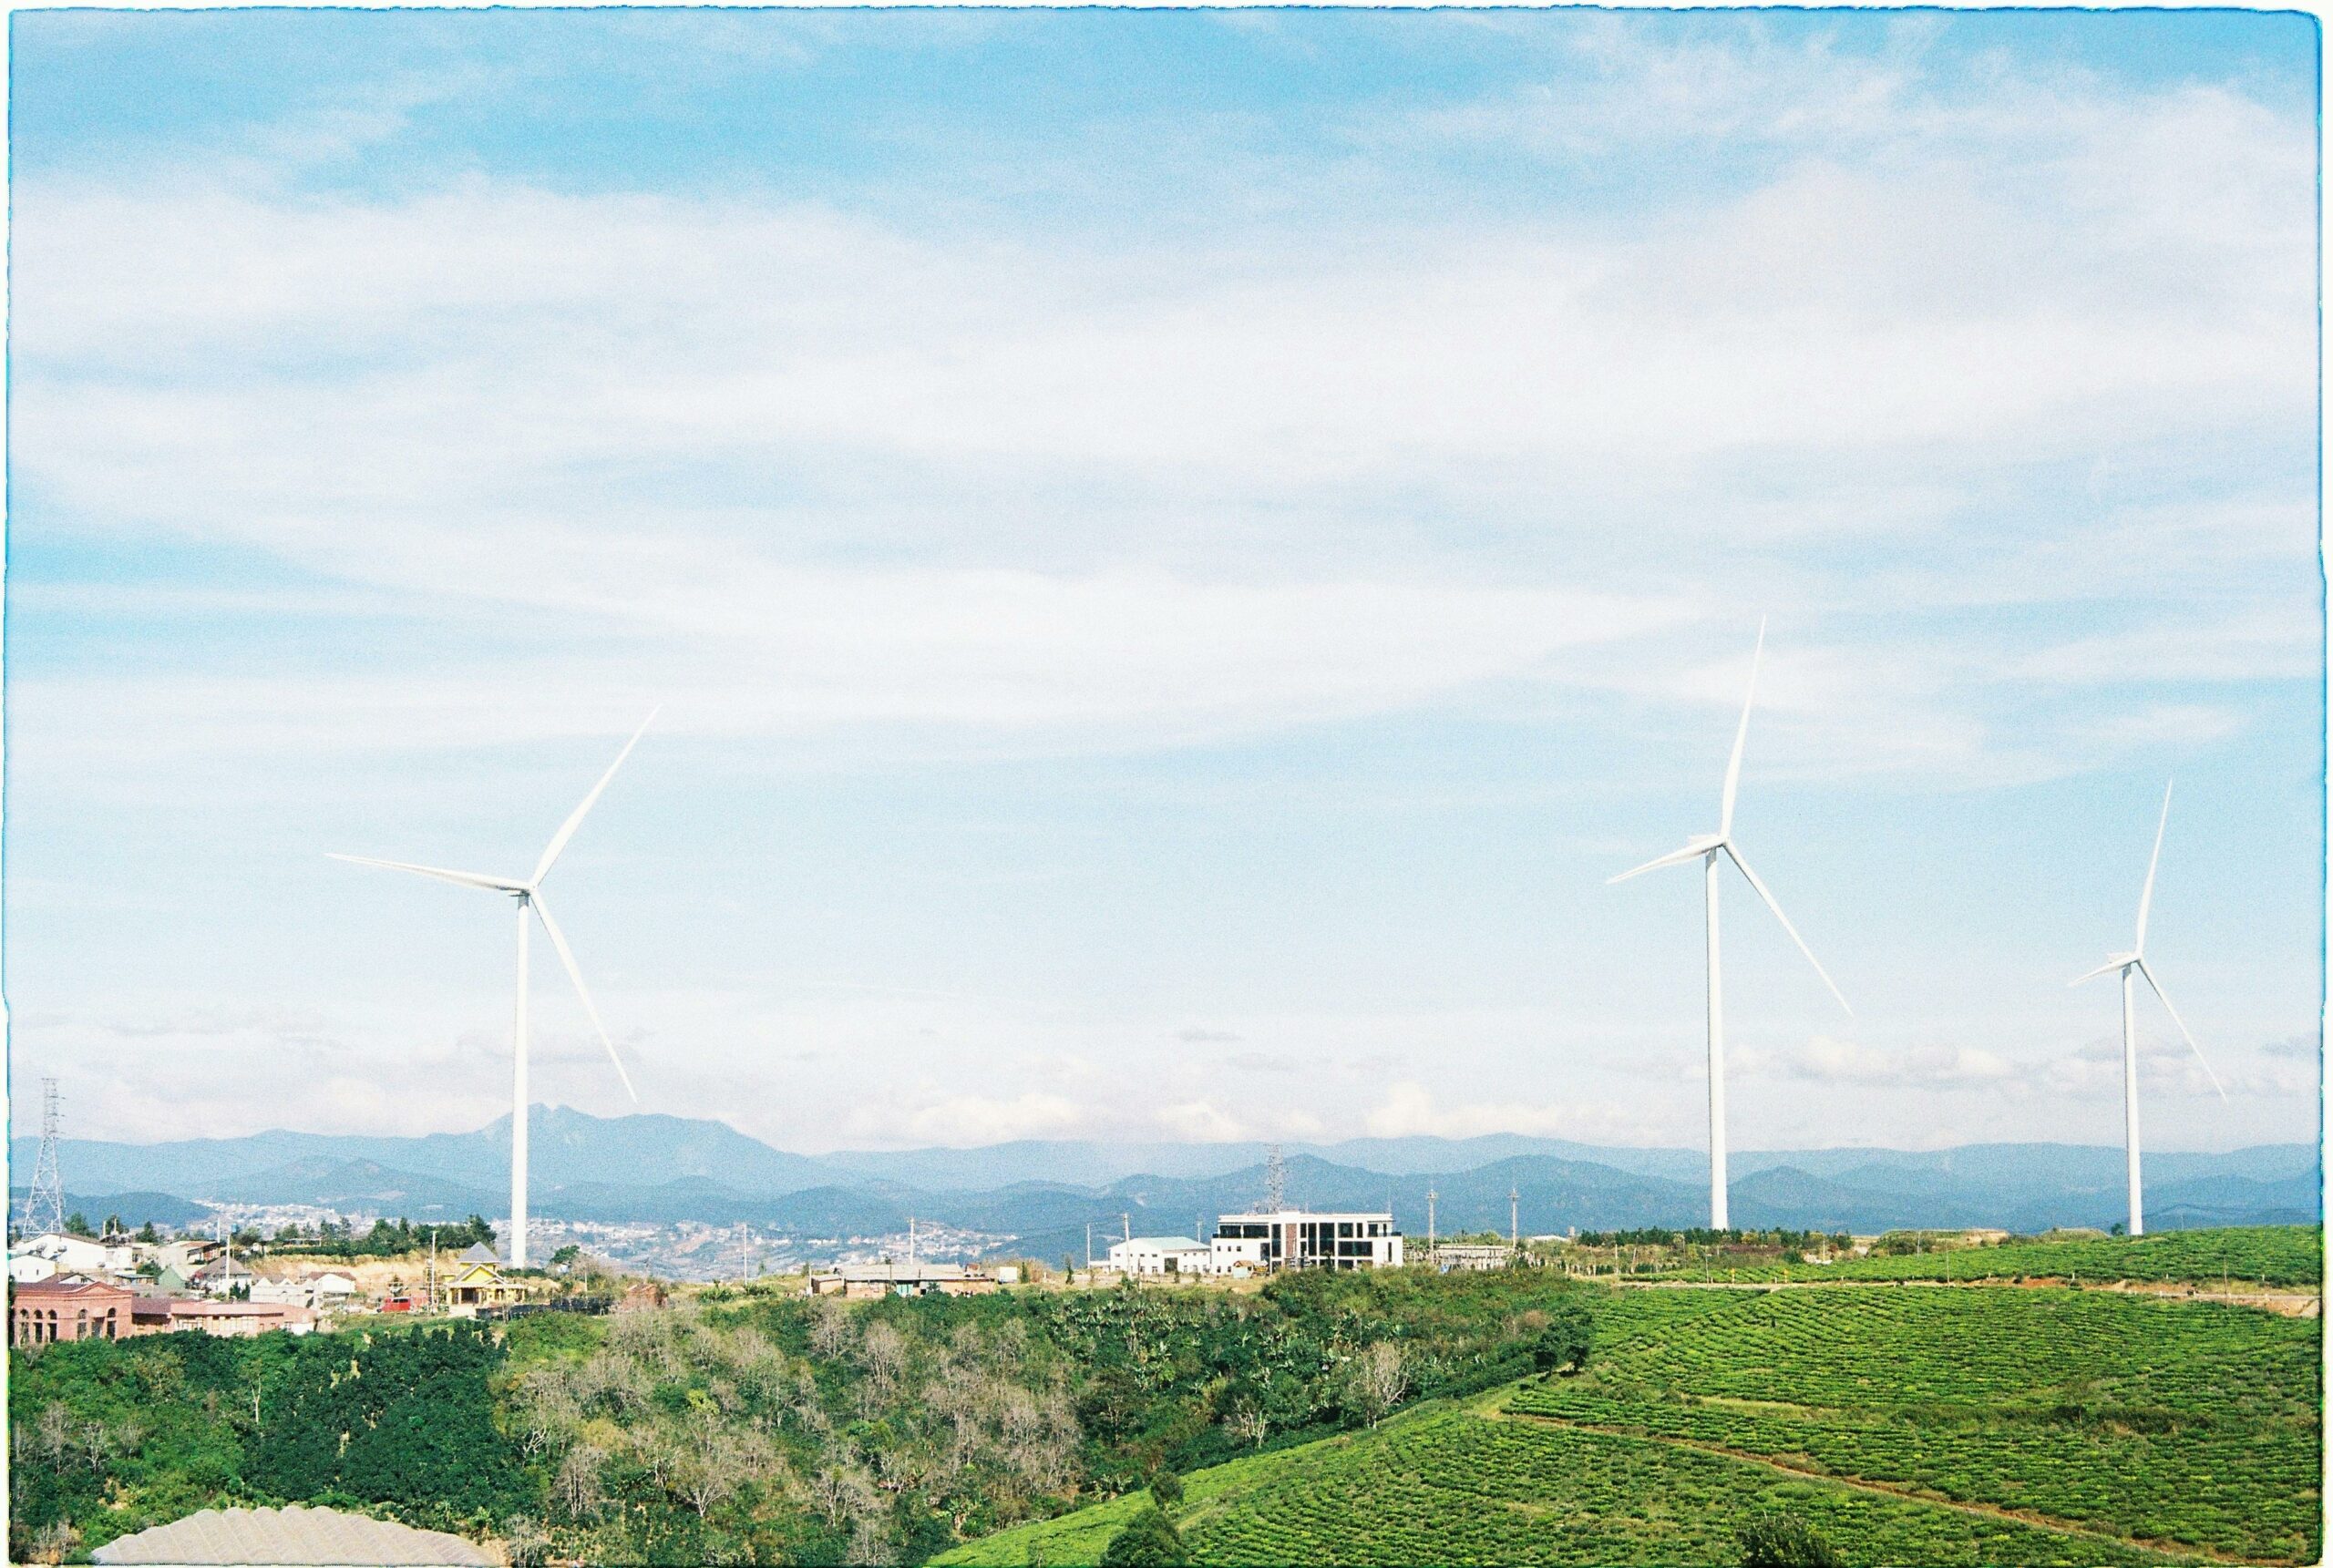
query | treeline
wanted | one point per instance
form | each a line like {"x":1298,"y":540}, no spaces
{"x":759,"y":1428}
{"x":1784,"y":1240}
{"x":387,"y":1238}
{"x":110,"y":1437}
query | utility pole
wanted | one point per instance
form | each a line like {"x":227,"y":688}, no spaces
{"x":1089,"y":1252}
{"x":44,"y":1204}
{"x":1127,"y":1220}
{"x":1513,"y":1218}
{"x":910,"y":1241}
{"x":1430,"y":1238}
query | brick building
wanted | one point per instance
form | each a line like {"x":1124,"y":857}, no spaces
{"x":52,"y":1309}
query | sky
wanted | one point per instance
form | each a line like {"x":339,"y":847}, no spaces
{"x":1175,"y":553}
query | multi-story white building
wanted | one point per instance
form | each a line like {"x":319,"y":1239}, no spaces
{"x":1298,"y":1238}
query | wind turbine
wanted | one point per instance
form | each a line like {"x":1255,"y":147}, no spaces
{"x":2134,"y":961}
{"x":530,"y":896}
{"x":1706,"y":849}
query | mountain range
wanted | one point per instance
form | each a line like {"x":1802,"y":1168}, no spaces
{"x":667,"y":1169}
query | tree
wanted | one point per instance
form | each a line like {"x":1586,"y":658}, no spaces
{"x":1778,"y":1540}
{"x":565,"y":1257}
{"x":1566,"y":1341}
{"x":1378,"y":1380}
{"x":1166,"y":1487}
{"x":148,"y":1234}
{"x":77,"y":1223}
{"x":1149,"y":1539}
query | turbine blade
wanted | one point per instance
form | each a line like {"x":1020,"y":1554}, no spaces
{"x":566,"y":829}
{"x":2108,"y":968}
{"x":567,"y":957}
{"x":2146,"y":894}
{"x":1743,"y":866}
{"x":1741,"y":737}
{"x":2164,"y":998}
{"x":1674,"y":857}
{"x":467,"y":878}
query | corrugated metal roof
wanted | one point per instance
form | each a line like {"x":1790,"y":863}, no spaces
{"x":314,"y":1537}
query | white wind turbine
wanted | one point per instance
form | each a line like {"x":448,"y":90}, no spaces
{"x":2134,"y":961}
{"x":529,"y":893}
{"x":1706,"y":849}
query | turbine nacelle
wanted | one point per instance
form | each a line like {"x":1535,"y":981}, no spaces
{"x":2136,"y":959}
{"x":529,"y":896}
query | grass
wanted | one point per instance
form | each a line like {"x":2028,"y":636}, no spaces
{"x":2144,"y":1429}
{"x":1458,"y":1486}
{"x":2273,"y":1256}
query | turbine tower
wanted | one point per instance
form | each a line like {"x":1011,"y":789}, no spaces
{"x":1706,"y":849}
{"x":529,"y":896}
{"x":2135,"y":962}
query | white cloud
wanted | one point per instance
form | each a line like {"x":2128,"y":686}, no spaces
{"x":1197,"y":1121}
{"x":1410,"y":1109}
{"x":1826,"y":1061}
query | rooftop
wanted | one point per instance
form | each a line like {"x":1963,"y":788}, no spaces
{"x":320,"y":1537}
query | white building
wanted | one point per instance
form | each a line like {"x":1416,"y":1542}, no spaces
{"x":322,"y":1293}
{"x":1161,"y":1254}
{"x":1298,"y":1238}
{"x":74,"y":1255}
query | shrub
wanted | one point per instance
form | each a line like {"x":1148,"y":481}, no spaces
{"x":1775,"y":1540}
{"x":1167,"y":1488}
{"x":1149,"y":1539}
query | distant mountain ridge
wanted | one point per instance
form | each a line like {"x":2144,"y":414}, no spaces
{"x":667,"y":1168}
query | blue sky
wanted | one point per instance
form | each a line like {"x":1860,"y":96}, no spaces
{"x":1177,"y":551}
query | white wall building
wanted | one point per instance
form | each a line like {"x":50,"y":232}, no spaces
{"x":1298,"y":1238}
{"x":76,"y":1255}
{"x":1161,"y":1254}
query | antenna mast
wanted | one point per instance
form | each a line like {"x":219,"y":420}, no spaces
{"x":44,"y":1204}
{"x":1275,"y":1182}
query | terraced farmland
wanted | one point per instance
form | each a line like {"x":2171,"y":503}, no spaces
{"x":1907,"y":1425}
{"x":1460,"y":1487}
{"x":2278,"y":1256}
{"x":2183,"y":1422}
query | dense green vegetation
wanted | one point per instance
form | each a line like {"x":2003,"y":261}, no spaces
{"x":756,"y":1428}
{"x":387,"y":1238}
{"x":1458,"y":1486}
{"x":2283,"y":1256}
{"x":2186,"y":1422}
{"x":110,"y":1437}
{"x":2099,"y":1415}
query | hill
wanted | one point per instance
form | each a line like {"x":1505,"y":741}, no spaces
{"x":1904,"y":1424}
{"x":1041,"y":1196}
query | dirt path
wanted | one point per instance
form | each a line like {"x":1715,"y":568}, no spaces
{"x":1887,"y":1488}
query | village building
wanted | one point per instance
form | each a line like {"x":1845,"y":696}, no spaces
{"x":1463,"y":1256}
{"x":250,"y":1536}
{"x":219,"y":1319}
{"x":1162,"y":1255}
{"x":478,"y":1282}
{"x":319,"y":1293}
{"x":66,"y":1308}
{"x":1298,"y":1238}
{"x":75,"y":1255}
{"x":861,"y":1281}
